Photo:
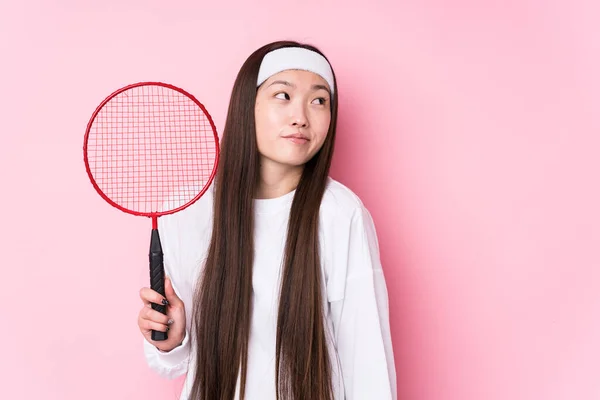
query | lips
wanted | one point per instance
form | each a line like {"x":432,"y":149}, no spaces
{"x":297,"y":136}
{"x":297,"y":140}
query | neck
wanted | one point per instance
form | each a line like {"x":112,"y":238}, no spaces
{"x":276,"y":179}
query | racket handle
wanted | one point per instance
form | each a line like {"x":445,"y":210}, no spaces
{"x":157,"y":279}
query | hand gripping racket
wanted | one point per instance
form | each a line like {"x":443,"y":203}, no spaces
{"x":151,"y":149}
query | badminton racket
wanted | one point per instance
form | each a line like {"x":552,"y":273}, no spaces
{"x":151,"y":149}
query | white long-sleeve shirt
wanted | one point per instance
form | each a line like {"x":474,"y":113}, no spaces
{"x":355,"y":297}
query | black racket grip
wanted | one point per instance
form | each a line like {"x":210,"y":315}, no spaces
{"x":157,"y":278}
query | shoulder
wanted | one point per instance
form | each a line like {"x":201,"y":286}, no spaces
{"x":186,"y":233}
{"x":339,"y":201}
{"x":185,"y":238}
{"x":190,"y":218}
{"x":344,"y":213}
{"x":348,"y":238}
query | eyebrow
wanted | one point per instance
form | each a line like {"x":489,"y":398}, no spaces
{"x":313,"y":87}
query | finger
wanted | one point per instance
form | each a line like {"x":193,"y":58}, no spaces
{"x":157,"y":316}
{"x":148,"y":325}
{"x":172,"y":297}
{"x":151,"y":296}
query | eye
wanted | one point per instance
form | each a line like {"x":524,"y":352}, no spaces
{"x":286,"y":96}
{"x":322,"y":100}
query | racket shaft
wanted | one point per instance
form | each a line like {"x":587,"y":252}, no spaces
{"x":157,"y":278}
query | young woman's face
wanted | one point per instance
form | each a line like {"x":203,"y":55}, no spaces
{"x":292,"y":114}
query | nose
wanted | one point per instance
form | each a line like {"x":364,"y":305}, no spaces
{"x":299,"y":117}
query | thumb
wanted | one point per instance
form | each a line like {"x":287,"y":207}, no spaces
{"x":170,"y":293}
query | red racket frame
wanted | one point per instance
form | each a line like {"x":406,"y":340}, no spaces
{"x":153,"y":215}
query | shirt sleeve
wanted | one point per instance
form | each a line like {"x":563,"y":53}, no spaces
{"x":361,"y":317}
{"x":170,"y":364}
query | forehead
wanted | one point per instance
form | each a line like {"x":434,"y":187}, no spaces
{"x":299,"y":78}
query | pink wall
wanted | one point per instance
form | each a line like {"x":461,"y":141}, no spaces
{"x":470,"y":130}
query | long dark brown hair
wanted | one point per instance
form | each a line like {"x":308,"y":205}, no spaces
{"x":222,"y":300}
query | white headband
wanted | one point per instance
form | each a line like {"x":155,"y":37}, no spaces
{"x":294,"y":58}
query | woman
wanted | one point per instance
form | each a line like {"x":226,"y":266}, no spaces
{"x":275,"y":287}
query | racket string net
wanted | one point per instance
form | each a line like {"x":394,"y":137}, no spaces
{"x":151,"y":149}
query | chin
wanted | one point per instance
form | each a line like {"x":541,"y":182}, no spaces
{"x":293,"y":162}
{"x":289,"y":159}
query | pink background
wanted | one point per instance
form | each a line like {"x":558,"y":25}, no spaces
{"x":469,"y":128}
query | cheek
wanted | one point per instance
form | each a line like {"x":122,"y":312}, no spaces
{"x":261,"y":123}
{"x":267,"y":120}
{"x":267,"y":128}
{"x":322,"y":127}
